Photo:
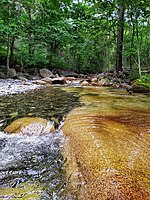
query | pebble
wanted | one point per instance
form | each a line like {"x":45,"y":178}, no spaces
{"x":11,"y":86}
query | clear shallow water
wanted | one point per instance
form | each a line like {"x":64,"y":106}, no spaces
{"x":109,"y":141}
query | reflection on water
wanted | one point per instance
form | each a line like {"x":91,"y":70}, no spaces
{"x":46,"y":103}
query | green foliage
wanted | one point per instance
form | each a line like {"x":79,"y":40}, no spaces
{"x":70,"y":34}
{"x":134,"y":73}
{"x":144,"y":80}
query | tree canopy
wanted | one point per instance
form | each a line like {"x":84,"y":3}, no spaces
{"x":85,"y":36}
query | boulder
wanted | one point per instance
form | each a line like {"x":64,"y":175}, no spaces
{"x":12,"y":73}
{"x":30,"y":126}
{"x":47,"y":80}
{"x":84,"y":83}
{"x":104,"y":82}
{"x":32,"y":71}
{"x":40,"y":82}
{"x":94,"y":83}
{"x":94,"y":79}
{"x":45,"y":73}
{"x":67,"y":73}
{"x":22,"y":78}
{"x":139,"y":88}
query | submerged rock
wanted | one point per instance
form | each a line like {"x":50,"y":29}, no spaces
{"x":108,"y":145}
{"x":22,"y":191}
{"x":30,"y":126}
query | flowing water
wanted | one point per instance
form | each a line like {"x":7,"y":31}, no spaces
{"x":31,"y":167}
{"x":102,"y":153}
{"x":109,"y":141}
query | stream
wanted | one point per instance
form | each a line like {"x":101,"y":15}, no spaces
{"x":99,"y":150}
{"x":31,"y":167}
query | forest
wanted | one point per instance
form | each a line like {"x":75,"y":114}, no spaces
{"x":75,"y":99}
{"x":88,"y":36}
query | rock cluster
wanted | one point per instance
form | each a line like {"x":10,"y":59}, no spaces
{"x":59,"y":76}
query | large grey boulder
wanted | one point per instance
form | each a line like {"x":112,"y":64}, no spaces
{"x":67,"y":73}
{"x":12,"y":73}
{"x":45,"y":73}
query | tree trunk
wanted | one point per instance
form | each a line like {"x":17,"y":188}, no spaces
{"x":8,"y":54}
{"x":30,"y":48}
{"x":138,"y":41}
{"x":132,"y":40}
{"x":11,"y":49}
{"x":120,"y":38}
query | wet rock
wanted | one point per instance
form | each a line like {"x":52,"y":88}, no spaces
{"x":40,"y":82}
{"x":94,"y":79}
{"x":45,"y":73}
{"x":47,"y":80}
{"x":71,"y":80}
{"x":84,"y":83}
{"x":30,"y":126}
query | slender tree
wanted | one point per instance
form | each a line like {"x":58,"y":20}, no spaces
{"x":120,"y":37}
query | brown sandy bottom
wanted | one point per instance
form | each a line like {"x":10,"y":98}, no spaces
{"x":108,"y":146}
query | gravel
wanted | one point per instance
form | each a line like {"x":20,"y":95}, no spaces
{"x":11,"y":86}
